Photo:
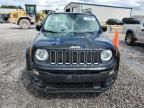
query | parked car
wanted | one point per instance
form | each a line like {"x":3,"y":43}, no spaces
{"x":72,"y":54}
{"x":114,"y":22}
{"x":130,"y":20}
{"x":4,"y":18}
{"x":1,"y":19}
{"x":134,"y":31}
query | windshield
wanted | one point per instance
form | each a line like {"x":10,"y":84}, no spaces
{"x":117,"y":20}
{"x":66,"y":23}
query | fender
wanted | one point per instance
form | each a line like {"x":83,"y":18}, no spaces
{"x":23,"y":18}
{"x":29,"y":62}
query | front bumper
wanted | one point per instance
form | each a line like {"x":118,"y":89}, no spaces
{"x":59,"y":80}
{"x":56,"y":83}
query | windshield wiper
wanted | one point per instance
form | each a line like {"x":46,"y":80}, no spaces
{"x":83,"y":32}
{"x":52,"y":31}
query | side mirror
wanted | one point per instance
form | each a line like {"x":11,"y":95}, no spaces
{"x":38,"y":27}
{"x":104,"y":28}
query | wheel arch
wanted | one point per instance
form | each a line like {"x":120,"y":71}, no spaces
{"x":29,"y":63}
{"x":23,"y":18}
{"x":131,"y":31}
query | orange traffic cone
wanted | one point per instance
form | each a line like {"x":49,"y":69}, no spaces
{"x":116,"y":39}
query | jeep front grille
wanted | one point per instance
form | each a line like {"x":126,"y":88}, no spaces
{"x":73,"y":57}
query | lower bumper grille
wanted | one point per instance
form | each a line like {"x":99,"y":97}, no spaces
{"x":73,"y":57}
{"x":73,"y":85}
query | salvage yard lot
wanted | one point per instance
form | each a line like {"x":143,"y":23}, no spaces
{"x":127,"y":92}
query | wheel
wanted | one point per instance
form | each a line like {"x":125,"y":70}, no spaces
{"x":129,"y":39}
{"x":24,"y":23}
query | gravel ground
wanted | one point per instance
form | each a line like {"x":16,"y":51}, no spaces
{"x":127,"y":92}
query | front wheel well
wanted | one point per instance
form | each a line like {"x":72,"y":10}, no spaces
{"x":23,"y":18}
{"x":132,"y":34}
{"x":129,"y":31}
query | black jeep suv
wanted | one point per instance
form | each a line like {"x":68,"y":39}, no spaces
{"x":72,"y":54}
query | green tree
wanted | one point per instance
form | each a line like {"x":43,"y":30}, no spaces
{"x":11,"y":7}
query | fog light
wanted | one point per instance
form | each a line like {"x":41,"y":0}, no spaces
{"x":111,"y":72}
{"x":35,"y":72}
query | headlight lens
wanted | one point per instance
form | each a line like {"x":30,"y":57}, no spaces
{"x":41,"y":54}
{"x":106,"y":55}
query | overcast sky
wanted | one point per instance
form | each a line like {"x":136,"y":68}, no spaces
{"x":53,"y":4}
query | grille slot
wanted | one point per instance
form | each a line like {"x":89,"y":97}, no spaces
{"x":82,"y":57}
{"x":95,"y":57}
{"x":73,"y":57}
{"x":60,"y":57}
{"x":89,"y":57}
{"x":67,"y":57}
{"x":53,"y":57}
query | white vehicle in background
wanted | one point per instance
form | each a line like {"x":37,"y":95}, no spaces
{"x":134,"y":30}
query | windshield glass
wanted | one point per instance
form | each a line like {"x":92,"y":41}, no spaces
{"x":66,"y":23}
{"x":117,"y":20}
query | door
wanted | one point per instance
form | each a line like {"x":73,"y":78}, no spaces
{"x":75,"y":9}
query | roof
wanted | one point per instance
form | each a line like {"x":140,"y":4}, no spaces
{"x":97,"y":5}
{"x":71,"y":13}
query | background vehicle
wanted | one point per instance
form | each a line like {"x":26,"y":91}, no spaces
{"x":4,"y":18}
{"x":134,"y":30}
{"x":42,"y":15}
{"x":1,"y":19}
{"x":24,"y":18}
{"x":114,"y":22}
{"x":130,"y":20}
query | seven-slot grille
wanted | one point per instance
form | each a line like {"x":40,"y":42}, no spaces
{"x":73,"y":57}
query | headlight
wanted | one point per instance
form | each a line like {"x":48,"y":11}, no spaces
{"x":106,"y":55}
{"x":41,"y":54}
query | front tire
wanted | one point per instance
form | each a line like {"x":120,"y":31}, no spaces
{"x":129,"y":40}
{"x":24,"y":23}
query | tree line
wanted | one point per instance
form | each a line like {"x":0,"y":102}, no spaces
{"x":11,"y":7}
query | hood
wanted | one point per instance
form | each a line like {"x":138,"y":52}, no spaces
{"x":83,"y":40}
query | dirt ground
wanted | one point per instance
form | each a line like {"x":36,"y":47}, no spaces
{"x":127,"y":92}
